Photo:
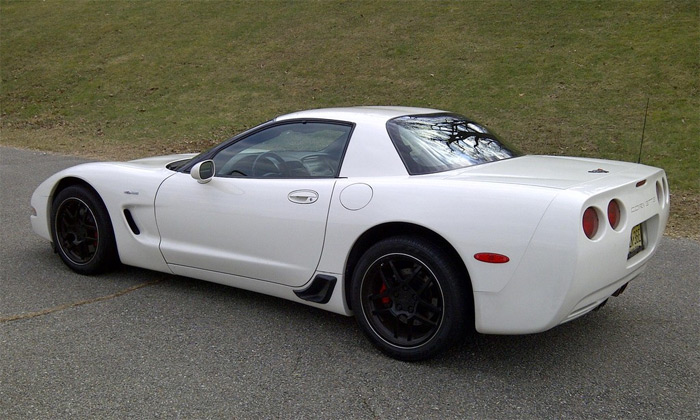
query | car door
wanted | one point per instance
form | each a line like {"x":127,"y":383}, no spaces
{"x":263,"y":215}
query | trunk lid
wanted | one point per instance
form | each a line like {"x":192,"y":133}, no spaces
{"x":557,"y":172}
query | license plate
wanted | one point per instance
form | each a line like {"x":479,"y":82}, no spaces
{"x":636,"y":241}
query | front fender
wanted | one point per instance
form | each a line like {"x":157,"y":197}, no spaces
{"x":120,"y":186}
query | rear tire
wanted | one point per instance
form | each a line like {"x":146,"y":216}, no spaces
{"x":410,"y":298}
{"x":82,"y":231}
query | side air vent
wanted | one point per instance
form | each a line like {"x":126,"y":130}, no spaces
{"x":132,"y":223}
{"x":320,"y":290}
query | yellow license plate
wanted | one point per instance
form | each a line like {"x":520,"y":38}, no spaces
{"x":636,"y":241}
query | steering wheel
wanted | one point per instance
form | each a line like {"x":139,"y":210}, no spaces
{"x":269,"y":164}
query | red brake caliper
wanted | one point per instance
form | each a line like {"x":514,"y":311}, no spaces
{"x":385,"y":300}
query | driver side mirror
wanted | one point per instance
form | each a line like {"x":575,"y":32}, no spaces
{"x":203,"y":172}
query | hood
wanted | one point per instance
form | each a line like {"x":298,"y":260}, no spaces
{"x":158,"y":161}
{"x":543,"y":171}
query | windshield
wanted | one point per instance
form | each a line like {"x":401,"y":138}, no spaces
{"x":441,"y":142}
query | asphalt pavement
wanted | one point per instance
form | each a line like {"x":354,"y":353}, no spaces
{"x":139,"y":344}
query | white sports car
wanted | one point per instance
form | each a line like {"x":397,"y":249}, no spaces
{"x":419,"y":222}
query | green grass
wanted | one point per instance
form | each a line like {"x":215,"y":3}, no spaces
{"x":126,"y":79}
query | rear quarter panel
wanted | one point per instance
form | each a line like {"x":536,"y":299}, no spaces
{"x":472,"y":216}
{"x":554,"y":270}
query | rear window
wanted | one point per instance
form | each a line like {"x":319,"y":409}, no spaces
{"x":442,"y":142}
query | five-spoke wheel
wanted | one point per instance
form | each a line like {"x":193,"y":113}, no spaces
{"x":410,"y":298}
{"x":82,"y":231}
{"x":402,"y":300}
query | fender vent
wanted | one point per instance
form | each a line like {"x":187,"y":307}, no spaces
{"x":320,"y":290}
{"x":132,"y":223}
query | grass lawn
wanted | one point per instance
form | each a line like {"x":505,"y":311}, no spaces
{"x":116,"y":80}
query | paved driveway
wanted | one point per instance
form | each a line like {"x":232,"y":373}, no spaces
{"x":137,"y":344}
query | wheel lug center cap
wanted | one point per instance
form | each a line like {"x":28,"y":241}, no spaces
{"x":405,"y":301}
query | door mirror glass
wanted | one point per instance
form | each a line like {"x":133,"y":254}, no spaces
{"x":203,"y":171}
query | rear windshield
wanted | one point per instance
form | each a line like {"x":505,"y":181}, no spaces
{"x":441,"y":142}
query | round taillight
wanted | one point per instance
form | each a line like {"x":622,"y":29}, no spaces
{"x":614,"y":214}
{"x":590,"y":222}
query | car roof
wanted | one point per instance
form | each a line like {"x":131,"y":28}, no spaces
{"x":359,"y":113}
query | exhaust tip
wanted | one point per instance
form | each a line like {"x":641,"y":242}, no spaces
{"x":619,"y":291}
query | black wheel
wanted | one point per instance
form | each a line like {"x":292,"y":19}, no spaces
{"x":82,"y":231}
{"x":410,"y":298}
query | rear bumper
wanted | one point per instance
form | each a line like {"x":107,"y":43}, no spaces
{"x":520,"y":309}
{"x":597,"y":298}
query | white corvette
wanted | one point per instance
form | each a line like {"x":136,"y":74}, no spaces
{"x":420,"y":222}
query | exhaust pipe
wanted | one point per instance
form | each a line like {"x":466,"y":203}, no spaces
{"x":619,"y":291}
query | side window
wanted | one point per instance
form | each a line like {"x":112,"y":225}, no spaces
{"x":288,"y":150}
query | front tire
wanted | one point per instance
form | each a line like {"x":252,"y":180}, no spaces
{"x":82,"y":231}
{"x":410,"y":298}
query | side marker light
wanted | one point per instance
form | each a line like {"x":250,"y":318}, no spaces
{"x":491,"y":257}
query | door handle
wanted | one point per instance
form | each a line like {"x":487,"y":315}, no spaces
{"x":303,"y":196}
